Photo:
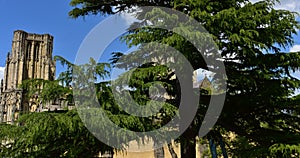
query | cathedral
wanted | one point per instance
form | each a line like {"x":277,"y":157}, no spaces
{"x":30,"y":58}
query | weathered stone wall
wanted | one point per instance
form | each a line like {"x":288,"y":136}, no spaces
{"x":30,"y":58}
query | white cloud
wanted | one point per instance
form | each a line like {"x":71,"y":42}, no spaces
{"x":296,"y":75}
{"x":254,"y":1}
{"x":129,"y":18}
{"x":201,"y":73}
{"x":297,"y":92}
{"x":292,"y":5}
{"x":1,"y":73}
{"x":295,"y":48}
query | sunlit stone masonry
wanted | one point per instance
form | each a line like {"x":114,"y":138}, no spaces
{"x":30,"y":58}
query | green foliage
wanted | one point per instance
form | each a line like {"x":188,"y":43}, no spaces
{"x":45,"y":90}
{"x":284,"y":150}
{"x":143,"y":81}
{"x":65,"y":77}
{"x":258,"y":107}
{"x":83,"y":7}
{"x":138,"y":87}
{"x":49,"y":135}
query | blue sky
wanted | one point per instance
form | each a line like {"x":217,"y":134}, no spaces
{"x":44,"y":16}
{"x":51,"y":16}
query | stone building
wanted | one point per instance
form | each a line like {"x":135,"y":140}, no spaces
{"x":30,"y":58}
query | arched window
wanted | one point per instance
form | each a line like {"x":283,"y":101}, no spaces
{"x":28,"y":50}
{"x":36,"y":51}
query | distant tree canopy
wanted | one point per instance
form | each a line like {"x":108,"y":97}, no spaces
{"x":49,"y":134}
{"x":258,"y":106}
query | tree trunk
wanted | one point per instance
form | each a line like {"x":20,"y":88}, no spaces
{"x":188,"y":144}
{"x":189,"y":101}
{"x":188,"y":151}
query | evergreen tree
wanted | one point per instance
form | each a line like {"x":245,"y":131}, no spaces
{"x":258,"y":105}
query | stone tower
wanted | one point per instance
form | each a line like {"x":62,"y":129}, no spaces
{"x":30,"y":58}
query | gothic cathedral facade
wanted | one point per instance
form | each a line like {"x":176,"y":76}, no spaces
{"x":30,"y":58}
